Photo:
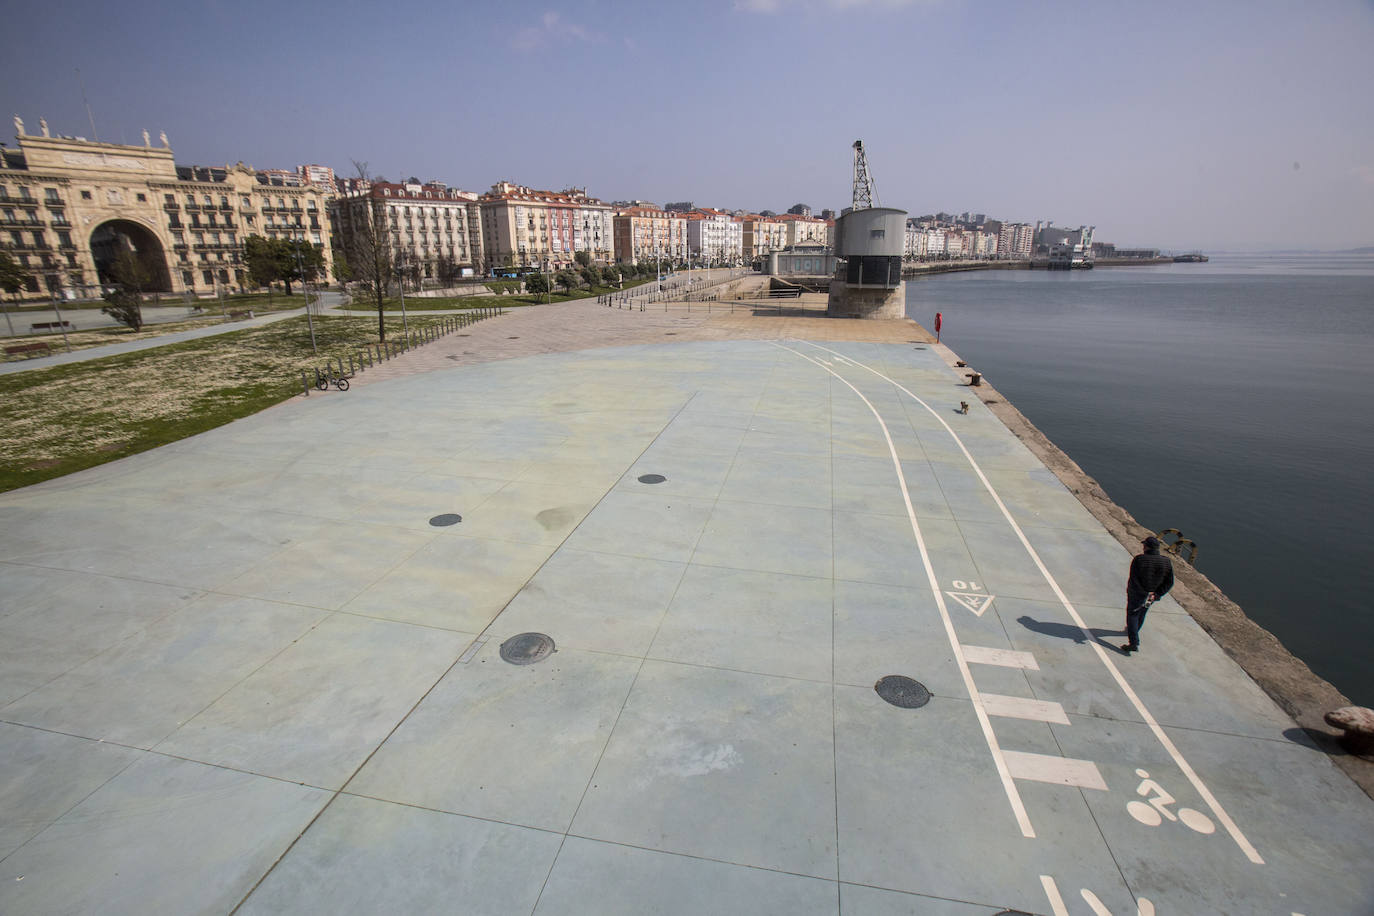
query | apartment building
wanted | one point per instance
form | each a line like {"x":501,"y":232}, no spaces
{"x":761,"y":235}
{"x":68,"y":206}
{"x":523,"y":227}
{"x":646,"y":233}
{"x":802,"y":229}
{"x":428,"y":225}
{"x":1014,"y":240}
{"x":714,"y":237}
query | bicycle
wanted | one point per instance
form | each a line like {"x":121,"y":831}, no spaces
{"x":322,"y":381}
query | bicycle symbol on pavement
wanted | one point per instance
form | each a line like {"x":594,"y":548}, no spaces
{"x":1155,"y":809}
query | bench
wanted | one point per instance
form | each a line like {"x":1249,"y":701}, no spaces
{"x":51,"y":325}
{"x":33,"y":348}
{"x":235,"y":316}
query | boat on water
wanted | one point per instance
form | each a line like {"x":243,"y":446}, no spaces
{"x":1196,"y":257}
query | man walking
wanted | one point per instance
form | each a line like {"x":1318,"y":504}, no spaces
{"x":1151,"y":577}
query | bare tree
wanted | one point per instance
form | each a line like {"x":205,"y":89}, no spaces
{"x":369,"y":246}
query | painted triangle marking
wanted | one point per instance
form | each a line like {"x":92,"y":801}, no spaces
{"x":973,"y":602}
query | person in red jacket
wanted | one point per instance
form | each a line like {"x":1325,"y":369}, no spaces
{"x":1151,"y":577}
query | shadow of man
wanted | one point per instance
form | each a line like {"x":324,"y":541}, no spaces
{"x":1069,"y":631}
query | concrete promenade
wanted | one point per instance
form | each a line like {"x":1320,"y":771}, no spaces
{"x":261,"y":670}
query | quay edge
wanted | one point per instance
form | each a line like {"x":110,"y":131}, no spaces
{"x":1284,"y":677}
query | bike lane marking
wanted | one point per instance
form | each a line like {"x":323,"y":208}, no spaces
{"x":998,"y":756}
{"x":1206,"y":794}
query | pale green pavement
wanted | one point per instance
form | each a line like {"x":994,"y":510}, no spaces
{"x":245,"y":672}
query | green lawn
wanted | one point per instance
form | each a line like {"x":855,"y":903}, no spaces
{"x":65,"y":418}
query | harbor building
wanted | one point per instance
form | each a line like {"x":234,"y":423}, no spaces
{"x":69,"y":205}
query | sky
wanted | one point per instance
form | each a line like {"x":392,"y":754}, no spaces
{"x":1217,"y":126}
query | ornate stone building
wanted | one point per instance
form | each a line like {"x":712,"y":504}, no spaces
{"x":69,"y":205}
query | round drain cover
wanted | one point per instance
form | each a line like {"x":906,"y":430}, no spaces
{"x":527,"y":648}
{"x":902,"y":691}
{"x":443,"y":521}
{"x":652,"y":478}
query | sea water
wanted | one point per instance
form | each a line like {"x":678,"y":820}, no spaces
{"x":1230,"y":400}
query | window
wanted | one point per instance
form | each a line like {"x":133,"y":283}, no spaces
{"x":86,"y":195}
{"x":24,"y":194}
{"x":143,"y":198}
{"x":223,"y":202}
{"x":186,"y":279}
{"x":209,"y":277}
{"x":246,"y":201}
{"x":64,"y":238}
{"x":178,"y":238}
{"x":209,"y":201}
{"x":51,"y":193}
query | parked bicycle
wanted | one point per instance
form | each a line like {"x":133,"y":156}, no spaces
{"x":324,"y":379}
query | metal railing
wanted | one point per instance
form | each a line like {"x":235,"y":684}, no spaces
{"x":370,"y":355}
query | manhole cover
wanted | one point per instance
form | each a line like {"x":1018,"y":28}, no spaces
{"x":443,"y":521}
{"x":902,"y":691}
{"x":652,"y":478}
{"x":527,"y":648}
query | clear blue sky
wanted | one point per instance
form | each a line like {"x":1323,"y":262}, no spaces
{"x":1243,"y":125}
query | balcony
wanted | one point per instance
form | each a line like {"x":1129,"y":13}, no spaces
{"x":170,"y":206}
{"x":54,"y":201}
{"x":226,"y":207}
{"x":60,"y":221}
{"x":22,"y":201}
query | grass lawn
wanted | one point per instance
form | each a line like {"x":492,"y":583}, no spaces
{"x":99,"y":337}
{"x":66,"y":418}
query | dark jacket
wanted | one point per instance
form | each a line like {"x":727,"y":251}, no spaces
{"x":1150,"y":572}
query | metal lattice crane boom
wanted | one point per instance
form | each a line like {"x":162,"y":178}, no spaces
{"x":865,"y":195}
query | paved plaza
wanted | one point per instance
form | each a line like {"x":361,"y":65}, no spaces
{"x":261,"y":670}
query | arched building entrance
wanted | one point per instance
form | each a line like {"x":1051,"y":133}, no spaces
{"x":116,"y":235}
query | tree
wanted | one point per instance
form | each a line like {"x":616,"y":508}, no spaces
{"x":447,"y":270}
{"x":297,"y":260}
{"x":341,"y":271}
{"x":590,"y":275}
{"x":12,"y":278}
{"x":369,"y":247}
{"x":125,"y":300}
{"x":566,"y":279}
{"x":610,"y":276}
{"x":258,"y":254}
{"x":536,"y":284}
{"x":583,"y":258}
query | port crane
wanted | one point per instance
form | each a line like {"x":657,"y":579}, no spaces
{"x":865,"y":194}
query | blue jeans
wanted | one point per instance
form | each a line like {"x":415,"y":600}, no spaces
{"x":1135,"y":619}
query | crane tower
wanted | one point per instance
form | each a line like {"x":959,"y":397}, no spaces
{"x":865,"y":195}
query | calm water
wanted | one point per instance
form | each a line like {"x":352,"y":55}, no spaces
{"x":1229,"y":400}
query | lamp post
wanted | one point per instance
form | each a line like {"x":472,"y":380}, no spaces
{"x":309,"y":319}
{"x":401,"y":286}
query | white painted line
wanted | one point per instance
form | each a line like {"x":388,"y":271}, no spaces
{"x":1002,"y":658}
{"x":1225,"y":819}
{"x":1052,"y":892}
{"x":1013,"y":794}
{"x":1061,"y":771}
{"x":1022,"y":708}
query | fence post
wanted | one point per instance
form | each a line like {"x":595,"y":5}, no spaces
{"x":305,"y":383}
{"x":340,"y":359}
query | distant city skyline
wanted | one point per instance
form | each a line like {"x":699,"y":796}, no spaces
{"x":1223,"y":126}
